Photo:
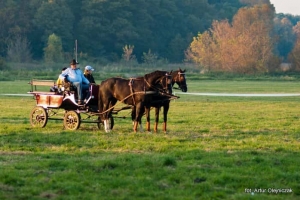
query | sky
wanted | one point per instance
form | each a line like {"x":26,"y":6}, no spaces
{"x":287,"y":6}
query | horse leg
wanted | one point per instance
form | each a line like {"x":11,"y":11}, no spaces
{"x":106,"y":122}
{"x":104,"y":107}
{"x":106,"y":126}
{"x":140,"y":109}
{"x":156,"y":118}
{"x":133,"y":114}
{"x":166,"y":109}
{"x":141,"y":126}
{"x":140,"y":119}
{"x":147,"y":112}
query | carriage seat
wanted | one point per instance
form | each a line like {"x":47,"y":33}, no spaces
{"x":41,"y":86}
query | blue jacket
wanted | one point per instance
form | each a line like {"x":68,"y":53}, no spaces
{"x":74,"y":75}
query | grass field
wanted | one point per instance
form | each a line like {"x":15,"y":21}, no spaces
{"x":215,"y":148}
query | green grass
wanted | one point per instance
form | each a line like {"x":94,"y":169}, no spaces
{"x":215,"y":148}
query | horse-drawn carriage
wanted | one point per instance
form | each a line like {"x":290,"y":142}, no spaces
{"x":62,"y":105}
{"x":138,"y":94}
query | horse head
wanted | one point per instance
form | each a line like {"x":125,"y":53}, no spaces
{"x":160,"y":81}
{"x":166,"y":82}
{"x":178,"y":77}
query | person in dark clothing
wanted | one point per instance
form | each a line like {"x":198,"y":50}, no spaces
{"x":88,"y":70}
{"x":88,"y":74}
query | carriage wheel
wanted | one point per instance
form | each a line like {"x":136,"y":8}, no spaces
{"x":38,"y":117}
{"x":72,"y":120}
{"x":110,"y":121}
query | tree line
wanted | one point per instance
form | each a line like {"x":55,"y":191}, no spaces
{"x":104,"y":27}
{"x":254,"y":42}
{"x":147,"y":30}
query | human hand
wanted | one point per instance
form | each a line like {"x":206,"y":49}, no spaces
{"x":66,"y":80}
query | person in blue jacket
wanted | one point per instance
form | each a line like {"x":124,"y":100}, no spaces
{"x":76,"y":77}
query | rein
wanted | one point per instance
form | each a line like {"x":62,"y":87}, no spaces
{"x":144,"y":92}
{"x":131,"y":89}
{"x":164,"y":87}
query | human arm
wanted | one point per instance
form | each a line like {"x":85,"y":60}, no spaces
{"x":92,"y":80}
{"x":63,"y":76}
{"x":84,"y":79}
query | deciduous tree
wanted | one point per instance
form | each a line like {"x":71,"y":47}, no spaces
{"x":294,"y":55}
{"x":243,"y":47}
{"x":53,"y":51}
{"x":19,"y":50}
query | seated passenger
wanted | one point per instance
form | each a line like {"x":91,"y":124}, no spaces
{"x":88,"y":73}
{"x":76,"y":77}
{"x":59,"y":83}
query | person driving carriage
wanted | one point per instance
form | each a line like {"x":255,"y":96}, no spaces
{"x":76,"y":77}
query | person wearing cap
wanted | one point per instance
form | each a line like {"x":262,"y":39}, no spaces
{"x":76,"y":77}
{"x":88,"y":73}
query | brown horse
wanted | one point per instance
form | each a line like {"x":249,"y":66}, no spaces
{"x":178,"y":77}
{"x":138,"y":92}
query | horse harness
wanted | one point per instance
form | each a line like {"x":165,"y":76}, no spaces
{"x":168,"y":80}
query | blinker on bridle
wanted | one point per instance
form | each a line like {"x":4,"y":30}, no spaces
{"x":178,"y":80}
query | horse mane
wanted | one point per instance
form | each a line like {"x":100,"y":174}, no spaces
{"x":152,"y":73}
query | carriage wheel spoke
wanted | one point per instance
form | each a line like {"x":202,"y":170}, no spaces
{"x":72,"y":120}
{"x":38,"y":117}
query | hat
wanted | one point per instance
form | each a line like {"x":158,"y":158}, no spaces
{"x":74,"y":62}
{"x":89,"y":68}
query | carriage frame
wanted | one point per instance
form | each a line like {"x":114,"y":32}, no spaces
{"x":61,"y":105}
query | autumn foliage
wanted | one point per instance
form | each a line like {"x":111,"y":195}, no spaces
{"x":294,"y":54}
{"x":243,"y":46}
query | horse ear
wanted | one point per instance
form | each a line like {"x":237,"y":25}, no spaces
{"x":171,"y":72}
{"x":184,"y":71}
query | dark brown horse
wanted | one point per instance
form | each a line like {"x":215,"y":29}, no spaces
{"x":178,"y":77}
{"x":138,"y":92}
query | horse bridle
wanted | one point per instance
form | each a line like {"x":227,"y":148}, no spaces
{"x":165,"y":87}
{"x":177,"y":80}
